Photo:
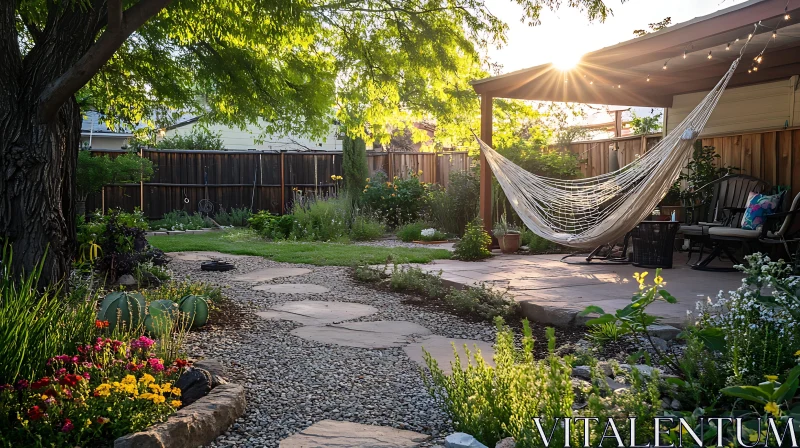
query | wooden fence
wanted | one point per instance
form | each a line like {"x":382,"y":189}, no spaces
{"x":770,"y":155}
{"x":255,"y":179}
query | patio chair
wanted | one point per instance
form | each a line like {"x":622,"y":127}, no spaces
{"x":778,"y":228}
{"x":728,"y":199}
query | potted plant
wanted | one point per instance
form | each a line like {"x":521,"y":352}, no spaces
{"x":508,"y":235}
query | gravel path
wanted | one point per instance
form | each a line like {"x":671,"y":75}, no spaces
{"x":393,"y":242}
{"x":292,"y":383}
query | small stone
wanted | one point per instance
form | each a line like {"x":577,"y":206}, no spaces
{"x":508,"y":442}
{"x":645,"y":370}
{"x":675,"y":405}
{"x":462,"y":440}
{"x":194,"y":384}
{"x":127,"y":281}
{"x":667,"y":332}
{"x":582,"y":372}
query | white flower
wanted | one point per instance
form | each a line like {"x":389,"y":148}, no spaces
{"x":428,"y":232}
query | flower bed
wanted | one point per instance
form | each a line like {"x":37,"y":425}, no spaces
{"x":108,"y":389}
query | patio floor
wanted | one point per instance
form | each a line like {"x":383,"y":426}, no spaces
{"x":553,"y":292}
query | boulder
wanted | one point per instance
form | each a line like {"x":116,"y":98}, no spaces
{"x":666,"y":332}
{"x":462,"y":440}
{"x":215,"y":368}
{"x":331,"y":433}
{"x":582,"y":372}
{"x":194,"y":383}
{"x":127,"y":281}
{"x":197,"y":424}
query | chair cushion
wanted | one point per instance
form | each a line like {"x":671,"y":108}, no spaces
{"x":687,"y":229}
{"x":709,"y":224}
{"x":758,"y":207}
{"x":732,"y":232}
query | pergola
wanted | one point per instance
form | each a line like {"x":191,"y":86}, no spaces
{"x":650,"y":70}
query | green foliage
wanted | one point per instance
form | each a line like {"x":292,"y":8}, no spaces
{"x":237,"y":217}
{"x":431,"y":234}
{"x":355,"y":169}
{"x":181,"y":220}
{"x":608,"y":332}
{"x":261,"y":220}
{"x":452,"y":208}
{"x":322,"y":219}
{"x":196,"y":309}
{"x":410,"y":232}
{"x":95,"y":171}
{"x":366,"y":228}
{"x":474,"y":245}
{"x":492,"y":403}
{"x":537,"y":244}
{"x":645,"y":125}
{"x":177,"y":290}
{"x":197,"y":139}
{"x":398,"y":201}
{"x":411,"y":279}
{"x":367,"y":274}
{"x":37,"y":324}
{"x":543,"y":161}
{"x":142,"y":269}
{"x":482,"y":301}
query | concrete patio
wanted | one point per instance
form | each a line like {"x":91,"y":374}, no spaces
{"x":553,"y":292}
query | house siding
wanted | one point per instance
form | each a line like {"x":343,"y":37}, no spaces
{"x":236,"y":139}
{"x":750,"y":108}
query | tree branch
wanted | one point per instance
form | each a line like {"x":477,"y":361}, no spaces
{"x":114,"y":16}
{"x":98,"y":54}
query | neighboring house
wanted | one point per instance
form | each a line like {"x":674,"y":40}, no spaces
{"x":244,"y":140}
{"x":96,"y":135}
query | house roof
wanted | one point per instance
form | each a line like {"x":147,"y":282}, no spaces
{"x":619,"y":74}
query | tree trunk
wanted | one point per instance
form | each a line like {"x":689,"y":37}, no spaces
{"x":37,"y":212}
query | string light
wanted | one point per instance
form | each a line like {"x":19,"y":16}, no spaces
{"x":755,"y":69}
{"x":786,"y":15}
{"x":728,"y":47}
{"x":665,"y":65}
{"x":648,"y":78}
{"x":709,"y":55}
{"x":774,"y":34}
{"x":684,"y":54}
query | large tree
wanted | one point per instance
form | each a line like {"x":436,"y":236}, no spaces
{"x":282,"y":63}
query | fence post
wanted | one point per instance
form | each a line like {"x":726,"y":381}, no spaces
{"x":283,"y":185}
{"x":141,"y":184}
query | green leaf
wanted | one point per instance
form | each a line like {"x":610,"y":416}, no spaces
{"x":750,"y":393}
{"x":591,"y":309}
{"x":713,"y":338}
{"x":604,"y":319}
{"x":667,"y":296}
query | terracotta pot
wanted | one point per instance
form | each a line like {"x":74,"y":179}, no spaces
{"x":509,"y":243}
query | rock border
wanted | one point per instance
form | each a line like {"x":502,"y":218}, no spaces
{"x":195,"y":425}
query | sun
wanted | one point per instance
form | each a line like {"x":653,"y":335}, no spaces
{"x":566,"y":60}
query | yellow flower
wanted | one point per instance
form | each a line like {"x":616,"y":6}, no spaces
{"x":368,"y":179}
{"x":129,"y":379}
{"x":658,"y":280}
{"x":154,"y":387}
{"x":175,"y":403}
{"x":797,"y":353}
{"x":157,"y":399}
{"x":44,"y":397}
{"x":103,"y":390}
{"x":772,"y":378}
{"x":772,"y":408}
{"x":754,"y":437}
{"x":419,"y":172}
{"x":146,"y":378}
{"x":147,"y":396}
{"x":176,"y":392}
{"x":102,"y":420}
{"x":166,"y":387}
{"x":88,"y":423}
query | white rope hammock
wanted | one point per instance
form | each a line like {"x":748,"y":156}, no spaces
{"x":585,"y":213}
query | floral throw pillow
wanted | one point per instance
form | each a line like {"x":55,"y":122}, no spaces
{"x":758,"y":207}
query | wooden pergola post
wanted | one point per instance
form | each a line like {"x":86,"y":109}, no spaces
{"x":486,"y":172}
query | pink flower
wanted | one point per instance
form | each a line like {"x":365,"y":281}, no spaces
{"x":143,"y":342}
{"x":156,"y":364}
{"x":68,"y":426}
{"x":21,"y":384}
{"x":87,"y":376}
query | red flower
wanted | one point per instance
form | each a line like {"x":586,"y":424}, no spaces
{"x":101,"y":323}
{"x":44,"y":382}
{"x":70,"y":380}
{"x":21,"y":384}
{"x":35,"y":413}
{"x":181,"y":363}
{"x":68,"y":426}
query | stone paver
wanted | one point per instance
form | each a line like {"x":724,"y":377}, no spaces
{"x":372,"y":335}
{"x":331,"y":433}
{"x":292,"y":288}
{"x":311,"y":312}
{"x":552,"y":292}
{"x":441,"y":349}
{"x":263,"y":275}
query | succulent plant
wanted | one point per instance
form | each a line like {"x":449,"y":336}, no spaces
{"x":125,"y":308}
{"x":196,"y":309}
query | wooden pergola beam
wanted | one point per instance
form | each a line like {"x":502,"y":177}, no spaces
{"x":486,"y":172}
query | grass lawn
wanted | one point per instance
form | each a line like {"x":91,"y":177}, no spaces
{"x":239,"y":242}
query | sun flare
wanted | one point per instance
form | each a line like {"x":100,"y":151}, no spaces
{"x":566,"y":60}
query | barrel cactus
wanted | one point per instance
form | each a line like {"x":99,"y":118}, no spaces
{"x":163,"y":315}
{"x":195,"y":308}
{"x":123,"y":308}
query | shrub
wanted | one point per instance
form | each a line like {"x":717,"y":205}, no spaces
{"x":365,"y":228}
{"x":367,"y":274}
{"x":537,"y":244}
{"x":95,"y":171}
{"x":413,"y":279}
{"x":104,"y":390}
{"x":398,"y":201}
{"x":322,"y":219}
{"x":355,"y":168}
{"x":175,"y":290}
{"x":181,"y":220}
{"x":260,"y":221}
{"x":36,"y":325}
{"x":474,"y":245}
{"x":451,"y":209}
{"x":410,"y":232}
{"x":197,"y":139}
{"x":237,"y":217}
{"x":431,"y":234}
{"x":492,"y":403}
{"x":482,"y":301}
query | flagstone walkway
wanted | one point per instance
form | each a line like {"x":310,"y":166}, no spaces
{"x":552,"y":292}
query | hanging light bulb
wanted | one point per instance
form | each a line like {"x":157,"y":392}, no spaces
{"x":749,"y":70}
{"x":709,"y":55}
{"x":758,"y":58}
{"x":755,"y":69}
{"x":749,"y":36}
{"x":619,"y":86}
{"x":665,"y":65}
{"x":684,"y":54}
{"x":648,"y":78}
{"x":786,"y":15}
{"x":737,"y":40}
{"x":591,"y":82}
{"x":728,"y":47}
{"x":775,"y":34}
